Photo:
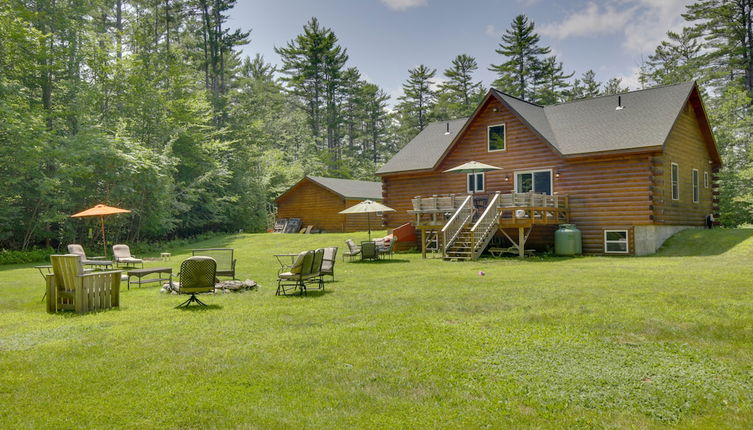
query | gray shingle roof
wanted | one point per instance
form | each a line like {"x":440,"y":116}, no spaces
{"x":351,"y":189}
{"x":426,"y":148}
{"x":573,"y":128}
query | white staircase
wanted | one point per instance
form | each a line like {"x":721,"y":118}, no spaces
{"x":467,"y":240}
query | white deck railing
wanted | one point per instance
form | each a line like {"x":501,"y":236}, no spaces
{"x":455,"y":225}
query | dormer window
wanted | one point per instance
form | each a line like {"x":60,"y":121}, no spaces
{"x":495,"y":138}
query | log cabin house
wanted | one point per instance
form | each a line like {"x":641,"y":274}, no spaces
{"x":317,"y":200}
{"x":629,"y":170}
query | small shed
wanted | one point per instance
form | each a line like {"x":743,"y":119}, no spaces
{"x":316,"y":200}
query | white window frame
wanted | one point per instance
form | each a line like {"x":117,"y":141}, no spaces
{"x":674,"y":180}
{"x":504,"y":137}
{"x":705,"y":179}
{"x":475,"y":182}
{"x":522,"y":172}
{"x":626,"y":242}
{"x":695,"y":181}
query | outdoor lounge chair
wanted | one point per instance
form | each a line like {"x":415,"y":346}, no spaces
{"x":352,"y":251}
{"x":328,"y":263}
{"x":122,"y":256}
{"x":76,"y":249}
{"x":223,"y":257}
{"x":197,"y":275}
{"x":69,"y":287}
{"x":369,"y":251}
{"x":297,"y":276}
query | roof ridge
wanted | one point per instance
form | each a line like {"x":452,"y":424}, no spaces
{"x":619,"y":94}
{"x":518,"y":98}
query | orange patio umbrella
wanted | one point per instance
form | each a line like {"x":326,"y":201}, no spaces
{"x":101,"y":211}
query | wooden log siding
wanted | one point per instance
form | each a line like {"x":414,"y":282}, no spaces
{"x":319,"y":206}
{"x":606,"y":192}
{"x":686,"y":147}
{"x":359,"y":222}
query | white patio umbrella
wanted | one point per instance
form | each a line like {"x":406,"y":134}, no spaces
{"x":472,"y":167}
{"x":367,"y":207}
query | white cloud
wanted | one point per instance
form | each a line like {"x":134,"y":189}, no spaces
{"x":643,"y":23}
{"x":490,"y":31}
{"x":591,"y":21}
{"x":402,"y":5}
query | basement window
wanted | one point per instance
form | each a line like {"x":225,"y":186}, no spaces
{"x":696,"y":186}
{"x":476,"y":182}
{"x":496,"y":137}
{"x":675,"y":181}
{"x":616,"y":241}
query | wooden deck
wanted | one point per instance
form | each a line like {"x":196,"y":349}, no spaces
{"x":521,"y":211}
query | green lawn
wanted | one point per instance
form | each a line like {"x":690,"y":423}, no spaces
{"x":652,"y":342}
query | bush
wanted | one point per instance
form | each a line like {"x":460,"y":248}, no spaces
{"x":22,"y":257}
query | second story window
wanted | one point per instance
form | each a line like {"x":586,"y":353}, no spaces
{"x":496,"y":138}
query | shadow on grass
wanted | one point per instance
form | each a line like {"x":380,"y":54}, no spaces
{"x":387,"y":261}
{"x":196,"y":308}
{"x":309,"y":294}
{"x":699,"y":242}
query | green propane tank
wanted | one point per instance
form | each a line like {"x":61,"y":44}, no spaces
{"x":567,"y":240}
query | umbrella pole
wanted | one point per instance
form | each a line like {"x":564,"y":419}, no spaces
{"x":368,"y":222}
{"x":104,"y":239}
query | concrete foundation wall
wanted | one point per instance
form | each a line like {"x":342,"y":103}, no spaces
{"x":649,"y":238}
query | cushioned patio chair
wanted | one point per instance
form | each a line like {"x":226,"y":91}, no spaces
{"x":197,"y":275}
{"x":77,"y":249}
{"x":352,"y":251}
{"x":328,"y":263}
{"x":223,"y":257}
{"x":389,"y":249}
{"x":122,"y":256}
{"x":369,"y":251}
{"x":69,"y":287}
{"x":315,"y":275}
{"x":297,"y":275}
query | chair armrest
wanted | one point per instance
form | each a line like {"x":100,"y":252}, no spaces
{"x":233,"y":266}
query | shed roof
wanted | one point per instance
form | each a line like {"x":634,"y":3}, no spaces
{"x":346,"y":188}
{"x":574,"y":128}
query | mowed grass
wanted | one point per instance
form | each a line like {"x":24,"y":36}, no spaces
{"x":594,"y":342}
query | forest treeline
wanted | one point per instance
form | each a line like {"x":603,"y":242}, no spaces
{"x":151,"y":106}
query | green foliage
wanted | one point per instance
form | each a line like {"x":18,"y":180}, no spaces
{"x":24,"y":257}
{"x":520,"y":45}
{"x":416,"y":103}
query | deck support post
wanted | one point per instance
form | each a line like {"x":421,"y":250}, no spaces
{"x":423,"y":243}
{"x":521,"y":242}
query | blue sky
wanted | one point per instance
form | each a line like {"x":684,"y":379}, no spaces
{"x":385,"y":38}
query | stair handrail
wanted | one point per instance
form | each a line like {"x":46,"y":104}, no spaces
{"x":482,"y":231}
{"x":459,"y":219}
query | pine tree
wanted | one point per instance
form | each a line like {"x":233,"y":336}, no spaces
{"x":552,"y":82}
{"x":520,"y":45}
{"x":460,"y":93}
{"x":726,"y":29}
{"x":614,"y":86}
{"x":585,"y":87}
{"x":313,"y":63}
{"x":675,"y":60}
{"x":418,"y":98}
